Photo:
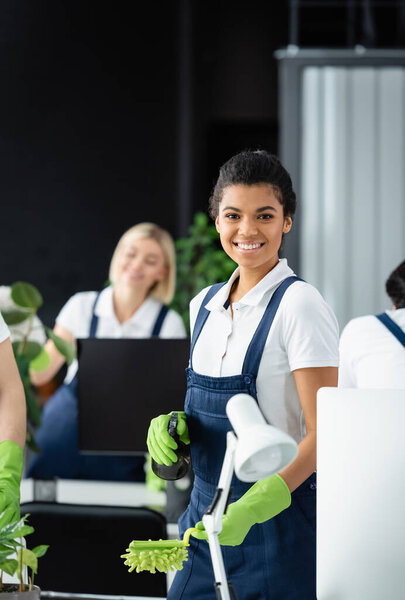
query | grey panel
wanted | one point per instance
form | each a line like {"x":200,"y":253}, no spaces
{"x":362,"y":194}
{"x":390,"y":170}
{"x":349,"y":173}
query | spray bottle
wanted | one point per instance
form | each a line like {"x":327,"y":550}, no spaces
{"x":180,"y":468}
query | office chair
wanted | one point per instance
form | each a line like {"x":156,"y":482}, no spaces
{"x":85,"y":547}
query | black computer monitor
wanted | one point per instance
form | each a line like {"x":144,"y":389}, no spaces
{"x":122,"y":385}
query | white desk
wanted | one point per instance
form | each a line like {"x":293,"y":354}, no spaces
{"x":107,"y":493}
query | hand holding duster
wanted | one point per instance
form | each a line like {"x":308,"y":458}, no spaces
{"x":263,"y":501}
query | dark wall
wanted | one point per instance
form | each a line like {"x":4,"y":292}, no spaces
{"x":87,"y":136}
{"x":90,"y":116}
{"x":235,"y":88}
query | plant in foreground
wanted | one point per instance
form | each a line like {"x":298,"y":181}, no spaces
{"x":11,"y":544}
{"x":28,"y":338}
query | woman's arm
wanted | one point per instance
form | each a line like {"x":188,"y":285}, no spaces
{"x":57,"y":359}
{"x":12,"y":398}
{"x":308,"y":382}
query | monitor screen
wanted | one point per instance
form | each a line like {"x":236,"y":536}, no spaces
{"x":122,"y":385}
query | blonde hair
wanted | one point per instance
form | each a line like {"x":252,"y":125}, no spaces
{"x":162,"y":290}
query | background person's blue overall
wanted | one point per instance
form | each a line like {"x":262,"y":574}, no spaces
{"x":392,"y":327}
{"x":276,"y":561}
{"x":57,"y":437}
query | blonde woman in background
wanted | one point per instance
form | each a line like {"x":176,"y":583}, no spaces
{"x":142,"y":274}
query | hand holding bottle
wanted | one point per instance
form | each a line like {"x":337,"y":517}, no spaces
{"x":161,"y":444}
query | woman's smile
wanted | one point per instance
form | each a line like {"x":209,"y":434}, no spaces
{"x":248,"y":246}
{"x":134,"y":275}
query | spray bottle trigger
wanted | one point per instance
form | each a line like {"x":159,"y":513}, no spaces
{"x":172,"y":427}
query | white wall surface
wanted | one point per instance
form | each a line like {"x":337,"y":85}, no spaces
{"x":353,"y":184}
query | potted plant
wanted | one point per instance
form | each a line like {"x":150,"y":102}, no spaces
{"x":200,"y":262}
{"x":19,"y":305}
{"x":14,"y":557}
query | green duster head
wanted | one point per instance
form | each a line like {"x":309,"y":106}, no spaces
{"x":157,"y":555}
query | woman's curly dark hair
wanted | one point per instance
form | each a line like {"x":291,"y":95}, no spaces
{"x":253,"y":167}
{"x":395,"y":286}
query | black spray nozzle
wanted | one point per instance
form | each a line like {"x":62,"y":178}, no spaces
{"x":172,"y":427}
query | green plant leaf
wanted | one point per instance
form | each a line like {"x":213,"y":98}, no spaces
{"x":23,"y":365}
{"x":26,"y":295}
{"x":33,"y":408}
{"x":31,"y":349}
{"x":67,"y":349}
{"x":201,"y":219}
{"x":41,"y":361}
{"x":15,"y":316}
{"x":9,"y":566}
{"x":31,"y":443}
{"x":181,"y":243}
{"x":6,"y":542}
{"x":22,"y":531}
{"x":200,"y":262}
{"x":15,"y":529}
{"x":5,"y":531}
{"x":4,"y":554}
{"x":27,"y":557}
{"x":40,"y":550}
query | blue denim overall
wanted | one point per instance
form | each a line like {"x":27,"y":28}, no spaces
{"x":276,"y":561}
{"x":57,"y":437}
{"x":392,"y":327}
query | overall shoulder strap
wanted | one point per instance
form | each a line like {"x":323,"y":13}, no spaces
{"x":94,"y":318}
{"x":203,"y":315}
{"x":392,"y":327}
{"x":159,"y":321}
{"x":255,"y":350}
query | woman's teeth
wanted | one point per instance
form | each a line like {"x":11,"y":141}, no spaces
{"x":248,"y":246}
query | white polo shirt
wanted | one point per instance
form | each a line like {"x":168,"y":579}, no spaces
{"x":370,"y":356}
{"x":304,"y":334}
{"x":75,"y":316}
{"x":4,"y":332}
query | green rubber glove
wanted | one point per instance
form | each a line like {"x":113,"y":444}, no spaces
{"x":263,"y":501}
{"x":11,"y":464}
{"x":160,"y":443}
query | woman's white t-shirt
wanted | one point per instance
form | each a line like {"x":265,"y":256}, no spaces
{"x":370,"y":355}
{"x":76,"y":315}
{"x":304,"y":334}
{"x":4,"y":331}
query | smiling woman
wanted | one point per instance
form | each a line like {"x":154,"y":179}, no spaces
{"x":267,"y":333}
{"x":142,"y":274}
